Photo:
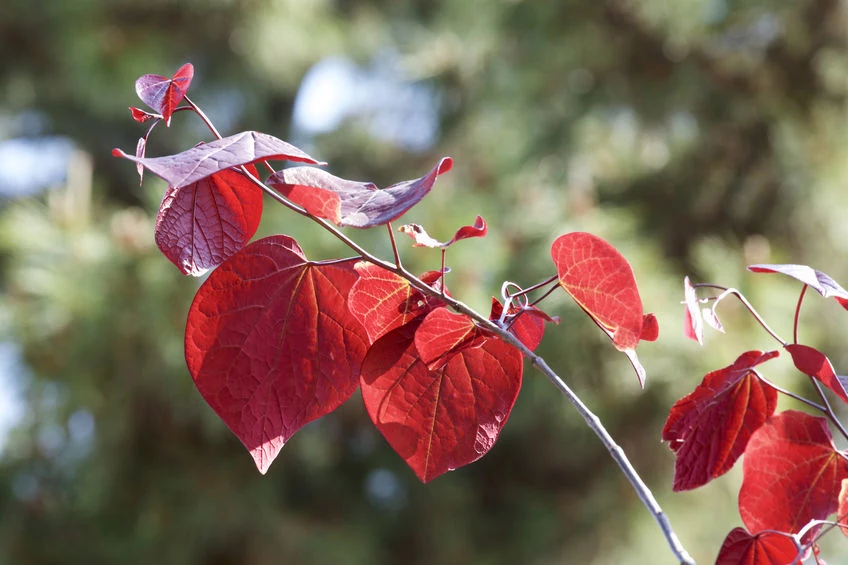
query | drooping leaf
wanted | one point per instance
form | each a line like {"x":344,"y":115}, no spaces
{"x":383,"y":301}
{"x":206,"y":159}
{"x":710,"y":428}
{"x":818,"y":281}
{"x":140,"y":148}
{"x":693,"y":324}
{"x":842,"y":508}
{"x":350,"y":203}
{"x":712,"y":320}
{"x":814,"y":363}
{"x":528,"y":325}
{"x":271,"y":345}
{"x":439,"y":420}
{"x":164,"y":94}
{"x":202,"y":224}
{"x":765,"y":548}
{"x":792,"y":473}
{"x":443,"y":333}
{"x":601,"y":281}
{"x":423,"y":239}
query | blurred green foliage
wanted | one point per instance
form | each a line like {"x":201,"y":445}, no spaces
{"x":696,"y":136}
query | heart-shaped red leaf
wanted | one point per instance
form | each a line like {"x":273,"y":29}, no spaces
{"x":442,"y":334}
{"x":710,"y":428}
{"x":439,"y":420}
{"x":202,"y":224}
{"x":792,"y":473}
{"x":383,"y":301}
{"x":164,"y":94}
{"x":359,"y":204}
{"x":601,"y":281}
{"x":766,"y":548}
{"x":814,"y":363}
{"x":423,"y":239}
{"x":206,"y":159}
{"x":528,"y":324}
{"x":693,"y":324}
{"x":818,"y":281}
{"x":271,"y":345}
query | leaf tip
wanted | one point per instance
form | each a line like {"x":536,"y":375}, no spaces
{"x":118,"y":153}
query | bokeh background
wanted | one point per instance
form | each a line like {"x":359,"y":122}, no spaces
{"x":697,"y":136}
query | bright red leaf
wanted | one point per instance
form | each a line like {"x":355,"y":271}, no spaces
{"x":350,"y":203}
{"x":601,"y":281}
{"x":814,"y":363}
{"x":842,"y":509}
{"x":383,"y":301}
{"x":141,"y":116}
{"x":442,"y":334}
{"x":818,"y":281}
{"x":164,"y":94}
{"x":271,"y":345}
{"x":792,"y":473}
{"x":423,"y":239}
{"x":202,"y":224}
{"x":206,"y":159}
{"x":710,"y":428}
{"x":766,"y":548}
{"x":528,"y":324}
{"x":693,"y":324}
{"x":439,"y":420}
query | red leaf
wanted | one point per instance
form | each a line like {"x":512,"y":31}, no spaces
{"x":383,"y":301}
{"x":814,"y":363}
{"x":164,"y":94}
{"x":601,"y":281}
{"x":650,"y":328}
{"x":142,"y":116}
{"x":360,"y":204}
{"x":439,"y":420}
{"x":200,"y":225}
{"x":792,"y":473}
{"x":423,"y":239}
{"x":527,"y":324}
{"x":766,"y":548}
{"x":442,"y":334}
{"x":842,"y":509}
{"x":818,"y":281}
{"x":271,"y":345}
{"x":710,"y":428}
{"x":693,"y":324}
{"x":206,"y":159}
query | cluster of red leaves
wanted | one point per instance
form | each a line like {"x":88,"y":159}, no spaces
{"x":274,"y":340}
{"x":793,"y":474}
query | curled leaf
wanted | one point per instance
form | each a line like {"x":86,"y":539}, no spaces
{"x":423,"y":239}
{"x":351,"y":203}
{"x":142,"y":116}
{"x":693,"y":325}
{"x":164,"y":94}
{"x":814,"y":363}
{"x":817,"y":280}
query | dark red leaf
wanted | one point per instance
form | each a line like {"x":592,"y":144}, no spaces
{"x":142,"y":116}
{"x":442,"y":334}
{"x":271,"y":345}
{"x":792,"y":473}
{"x":383,"y":301}
{"x":814,"y":363}
{"x":360,"y":204}
{"x":766,"y":548}
{"x":423,"y":239}
{"x":202,"y":224}
{"x":710,"y":428}
{"x":206,"y":159}
{"x":164,"y":94}
{"x":601,"y":281}
{"x":650,"y":328}
{"x":439,"y":420}
{"x":818,"y":281}
{"x":842,"y":509}
{"x":528,"y":324}
{"x":693,"y":324}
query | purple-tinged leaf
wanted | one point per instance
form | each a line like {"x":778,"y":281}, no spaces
{"x":423,"y":239}
{"x":206,"y":159}
{"x":817,"y":280}
{"x":164,"y":94}
{"x":350,"y":203}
